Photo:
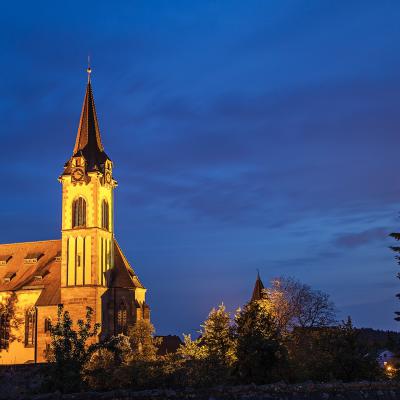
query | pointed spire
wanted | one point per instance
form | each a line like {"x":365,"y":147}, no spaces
{"x":258,"y":289}
{"x":88,"y":70}
{"x":88,"y":140}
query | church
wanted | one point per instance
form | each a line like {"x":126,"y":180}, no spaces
{"x":86,"y":267}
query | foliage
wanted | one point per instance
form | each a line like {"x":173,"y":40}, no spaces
{"x":259,"y":349}
{"x":143,"y":343}
{"x":217,"y":337}
{"x":192,"y":349}
{"x":107,"y":367}
{"x":396,"y":249}
{"x":331,"y":353}
{"x":8,"y":309}
{"x":70,"y":350}
{"x":295,"y":304}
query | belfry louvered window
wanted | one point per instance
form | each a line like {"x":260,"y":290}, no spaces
{"x":4,"y":330}
{"x":105,"y":215}
{"x":30,"y":322}
{"x":122,"y":322}
{"x":79,"y":212}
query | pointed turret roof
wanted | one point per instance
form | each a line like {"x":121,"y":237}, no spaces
{"x":258,"y":289}
{"x":88,"y":140}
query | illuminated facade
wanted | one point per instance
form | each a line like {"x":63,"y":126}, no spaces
{"x":85,"y":268}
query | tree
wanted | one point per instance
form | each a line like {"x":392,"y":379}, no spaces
{"x":259,"y":348}
{"x":295,"y":304}
{"x":332,"y":353}
{"x":192,"y":349}
{"x":70,"y":350}
{"x":143,"y":343}
{"x":217,"y":338}
{"x":396,"y":249}
{"x":10,"y":320}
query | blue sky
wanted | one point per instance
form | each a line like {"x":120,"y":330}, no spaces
{"x":245,"y":135}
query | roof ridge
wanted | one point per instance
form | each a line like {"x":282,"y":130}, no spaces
{"x":35,"y":241}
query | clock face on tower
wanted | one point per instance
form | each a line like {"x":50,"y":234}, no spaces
{"x":78,"y":174}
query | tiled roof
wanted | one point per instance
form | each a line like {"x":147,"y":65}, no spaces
{"x":124,"y":275}
{"x":25,"y":273}
{"x":88,"y":140}
{"x":45,"y":273}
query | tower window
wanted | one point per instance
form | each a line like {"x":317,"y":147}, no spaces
{"x":4,"y":330}
{"x":105,"y":215}
{"x":79,"y":212}
{"x":30,"y":320}
{"x":122,"y":314}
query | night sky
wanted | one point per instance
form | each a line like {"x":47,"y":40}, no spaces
{"x":245,"y":135}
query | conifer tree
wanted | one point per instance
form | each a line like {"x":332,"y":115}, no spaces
{"x":217,"y":336}
{"x":260,"y":350}
{"x":396,"y":249}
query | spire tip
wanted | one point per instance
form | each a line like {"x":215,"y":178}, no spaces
{"x":89,"y":70}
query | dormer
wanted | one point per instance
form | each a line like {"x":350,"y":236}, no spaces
{"x":57,"y":258}
{"x":5,"y":259}
{"x":32,"y":258}
{"x":9,"y":275}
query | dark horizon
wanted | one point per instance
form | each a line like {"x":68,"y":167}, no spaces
{"x":244,"y":136}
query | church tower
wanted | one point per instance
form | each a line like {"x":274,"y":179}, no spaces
{"x":87,"y":217}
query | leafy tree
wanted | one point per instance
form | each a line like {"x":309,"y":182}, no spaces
{"x":144,"y":345}
{"x":259,"y":349}
{"x":70,"y":350}
{"x":192,"y":349}
{"x":108,"y":366}
{"x":295,"y":304}
{"x":11,"y":319}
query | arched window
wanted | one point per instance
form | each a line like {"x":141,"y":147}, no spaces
{"x":30,"y":320}
{"x":4,"y":330}
{"x":122,"y":314}
{"x":105,"y":215}
{"x":79,"y":212}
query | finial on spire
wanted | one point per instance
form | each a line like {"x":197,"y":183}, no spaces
{"x":89,"y":70}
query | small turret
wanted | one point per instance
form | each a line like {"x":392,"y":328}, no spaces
{"x":258,"y":289}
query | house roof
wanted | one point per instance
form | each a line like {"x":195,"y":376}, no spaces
{"x":168,"y":344}
{"x":45,"y":273}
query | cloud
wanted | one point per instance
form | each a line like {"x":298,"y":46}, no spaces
{"x":352,"y":240}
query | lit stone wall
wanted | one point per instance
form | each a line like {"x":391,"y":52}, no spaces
{"x":17,"y":352}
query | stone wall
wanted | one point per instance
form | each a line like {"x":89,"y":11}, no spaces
{"x":21,"y":382}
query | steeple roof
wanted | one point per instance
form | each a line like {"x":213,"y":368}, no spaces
{"x":88,"y":140}
{"x":258,"y":289}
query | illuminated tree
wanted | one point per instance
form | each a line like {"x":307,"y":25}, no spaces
{"x":295,"y":304}
{"x":144,"y":345}
{"x":217,"y":336}
{"x":192,"y":349}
